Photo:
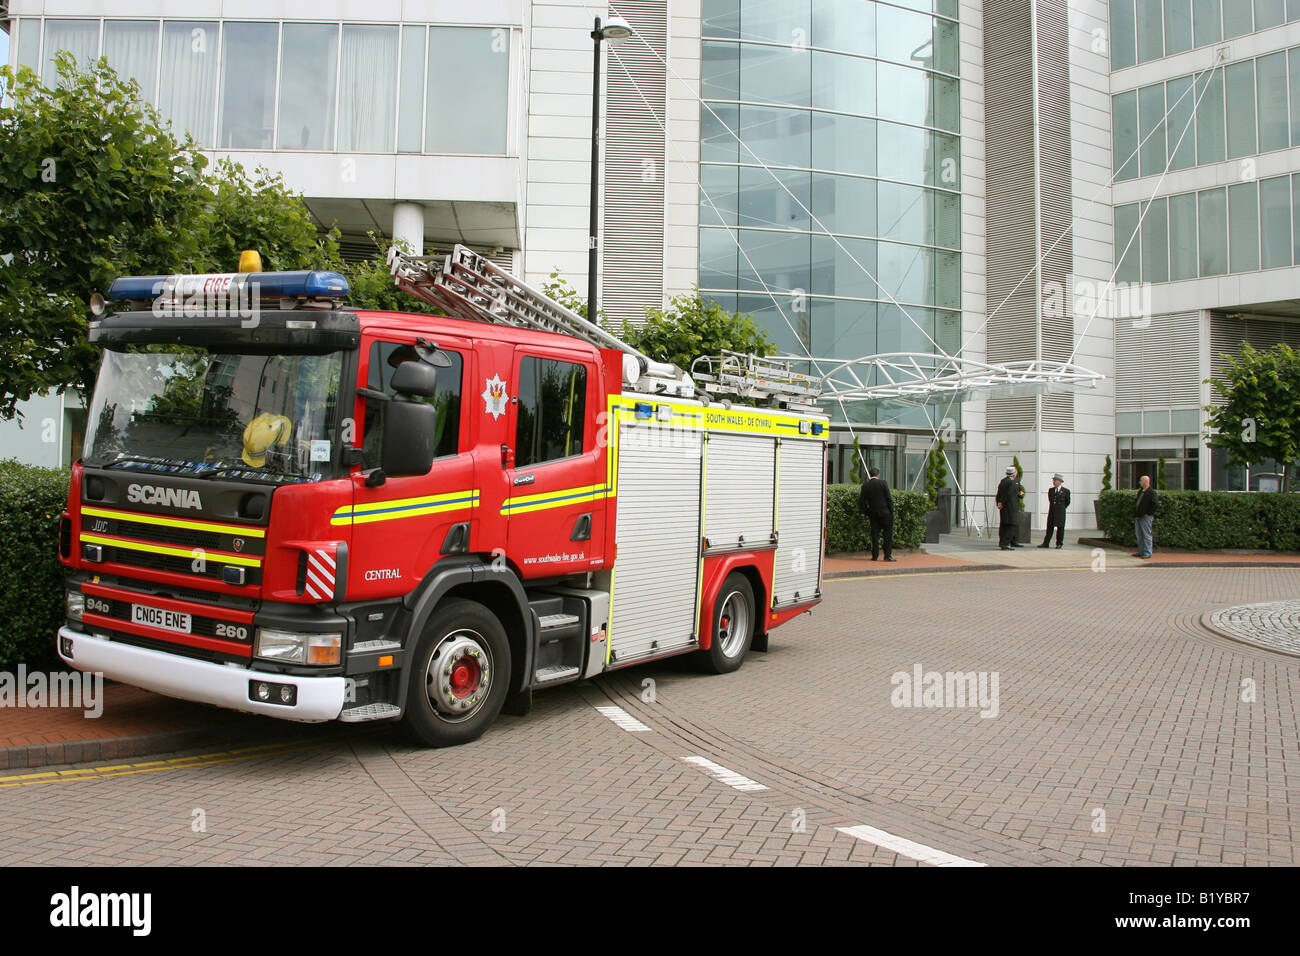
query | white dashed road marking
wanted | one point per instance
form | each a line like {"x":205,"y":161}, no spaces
{"x":916,"y":851}
{"x":622,"y":718}
{"x":729,"y":777}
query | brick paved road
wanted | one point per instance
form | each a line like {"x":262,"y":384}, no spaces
{"x":1126,"y":732}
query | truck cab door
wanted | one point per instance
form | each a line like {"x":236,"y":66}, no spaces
{"x":553,"y":471}
{"x":401,"y":527}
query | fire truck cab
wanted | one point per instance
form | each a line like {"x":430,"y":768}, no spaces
{"x":295,"y":509}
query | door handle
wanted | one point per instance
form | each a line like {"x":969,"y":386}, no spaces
{"x":582,"y":528}
{"x":507,"y":457}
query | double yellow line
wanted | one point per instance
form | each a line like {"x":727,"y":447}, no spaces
{"x":156,"y":766}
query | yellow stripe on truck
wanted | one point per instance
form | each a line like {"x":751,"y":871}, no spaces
{"x":220,"y":557}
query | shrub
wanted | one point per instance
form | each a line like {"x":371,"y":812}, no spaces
{"x":1208,"y":519}
{"x":31,"y":577}
{"x":847,"y":528}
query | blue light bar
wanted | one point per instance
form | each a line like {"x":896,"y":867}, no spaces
{"x":272,"y":285}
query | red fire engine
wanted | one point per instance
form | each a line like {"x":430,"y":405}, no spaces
{"x":295,"y":509}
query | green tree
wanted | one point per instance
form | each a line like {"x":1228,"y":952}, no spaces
{"x":94,"y":185}
{"x":371,"y":283}
{"x":855,"y":466}
{"x":91,"y":188}
{"x":1260,"y":417}
{"x":936,"y":474}
{"x":562,"y":291}
{"x":1020,"y":474}
{"x":1161,"y":484}
{"x":693,"y":326}
{"x":258,"y":212}
{"x":1106,"y":475}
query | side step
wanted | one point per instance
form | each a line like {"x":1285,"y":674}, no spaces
{"x":553,"y":673}
{"x":357,"y":715}
{"x":551,"y":621}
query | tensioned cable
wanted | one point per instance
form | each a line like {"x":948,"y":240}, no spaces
{"x":1158,"y":127}
{"x":813,"y":218}
{"x":1145,"y":208}
{"x":766,"y":288}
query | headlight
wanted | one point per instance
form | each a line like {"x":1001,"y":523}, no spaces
{"x":297,"y":647}
{"x":75,"y":603}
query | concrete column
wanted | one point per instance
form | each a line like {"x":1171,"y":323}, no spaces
{"x":408,"y":225}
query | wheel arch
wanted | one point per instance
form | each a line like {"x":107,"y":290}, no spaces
{"x":474,"y":578}
{"x":752,"y":565}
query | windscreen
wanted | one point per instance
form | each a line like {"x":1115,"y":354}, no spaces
{"x":187,"y":411}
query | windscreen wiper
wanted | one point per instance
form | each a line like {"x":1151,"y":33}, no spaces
{"x":144,"y":461}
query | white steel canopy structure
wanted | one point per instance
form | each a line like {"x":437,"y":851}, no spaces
{"x":888,"y":379}
{"x":919,"y":378}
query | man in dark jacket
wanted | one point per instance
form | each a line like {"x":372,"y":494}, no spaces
{"x":1145,"y":517}
{"x":1058,"y":499}
{"x":1008,"y":499}
{"x":877,"y":504}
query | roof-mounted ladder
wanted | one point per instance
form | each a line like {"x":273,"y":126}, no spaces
{"x":467,"y":285}
{"x":751,"y":376}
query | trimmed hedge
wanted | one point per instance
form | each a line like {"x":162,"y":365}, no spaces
{"x":1208,"y":519}
{"x":847,"y":528}
{"x":31,"y":577}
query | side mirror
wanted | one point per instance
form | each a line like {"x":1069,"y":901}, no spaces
{"x":409,"y":429}
{"x":415,"y":378}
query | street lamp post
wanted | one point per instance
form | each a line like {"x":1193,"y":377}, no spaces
{"x":615,"y":29}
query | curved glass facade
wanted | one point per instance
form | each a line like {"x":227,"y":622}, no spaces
{"x":834,"y":118}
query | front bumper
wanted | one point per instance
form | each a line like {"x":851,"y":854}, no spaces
{"x":319,"y":698}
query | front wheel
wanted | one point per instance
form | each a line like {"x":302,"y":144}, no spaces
{"x":459,"y":675}
{"x":734,"y":622}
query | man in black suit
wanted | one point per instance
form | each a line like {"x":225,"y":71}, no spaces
{"x":877,"y":504}
{"x":1058,"y":499}
{"x":1008,"y":499}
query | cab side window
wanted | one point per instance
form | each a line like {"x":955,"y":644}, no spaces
{"x":552,"y":411}
{"x":384,"y":359}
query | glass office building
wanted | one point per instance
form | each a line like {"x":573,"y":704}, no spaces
{"x":1205,"y":111}
{"x":830,"y":180}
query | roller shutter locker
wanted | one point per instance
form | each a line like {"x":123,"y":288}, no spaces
{"x":801,"y":465}
{"x":740,"y":491}
{"x":656,"y":576}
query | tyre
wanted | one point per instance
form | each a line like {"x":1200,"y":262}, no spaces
{"x":734,"y":621}
{"x":459,"y":675}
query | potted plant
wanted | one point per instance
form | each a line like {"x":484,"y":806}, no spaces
{"x":1105,"y":486}
{"x":1023,"y":518}
{"x":937,"y":520}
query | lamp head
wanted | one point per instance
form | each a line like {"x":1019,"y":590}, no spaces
{"x":615,"y":28}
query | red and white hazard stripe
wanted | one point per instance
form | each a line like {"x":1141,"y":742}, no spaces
{"x":321,"y":573}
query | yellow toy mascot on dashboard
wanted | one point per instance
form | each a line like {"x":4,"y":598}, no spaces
{"x":261,"y":433}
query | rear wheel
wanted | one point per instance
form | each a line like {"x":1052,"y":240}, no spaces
{"x":459,"y":675}
{"x":734,"y":621}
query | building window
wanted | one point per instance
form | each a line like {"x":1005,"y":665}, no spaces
{"x":248,"y":60}
{"x":368,"y":88}
{"x":1243,"y":227}
{"x":131,"y":47}
{"x":480,"y":58}
{"x":188,"y":77}
{"x":1142,"y":455}
{"x":308,"y":63}
{"x":80,"y":38}
{"x":1123,"y":34}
